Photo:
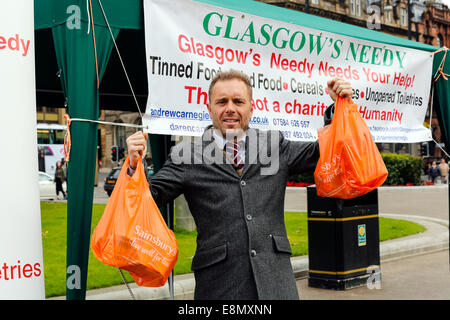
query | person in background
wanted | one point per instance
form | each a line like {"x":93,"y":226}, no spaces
{"x":41,"y":159}
{"x":433,"y":172}
{"x":443,"y":169}
{"x":59,"y":179}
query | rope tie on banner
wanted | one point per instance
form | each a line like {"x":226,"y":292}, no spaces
{"x":441,"y":66}
{"x":67,"y":140}
{"x":436,"y":76}
{"x":67,"y":137}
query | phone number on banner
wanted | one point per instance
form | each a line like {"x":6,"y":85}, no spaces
{"x":290,"y":123}
{"x":303,"y":135}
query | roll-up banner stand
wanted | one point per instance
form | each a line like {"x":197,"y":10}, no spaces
{"x":21,"y":260}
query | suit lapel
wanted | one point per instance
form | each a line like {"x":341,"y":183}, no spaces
{"x":252,"y":145}
{"x":214,"y":154}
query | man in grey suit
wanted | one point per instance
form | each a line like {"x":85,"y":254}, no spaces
{"x":234,"y":181}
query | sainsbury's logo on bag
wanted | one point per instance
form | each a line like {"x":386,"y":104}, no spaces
{"x":152,"y":238}
{"x":330,"y":170}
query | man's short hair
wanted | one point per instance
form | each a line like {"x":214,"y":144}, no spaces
{"x":230,"y":75}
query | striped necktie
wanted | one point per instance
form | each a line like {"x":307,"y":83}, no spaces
{"x":232,"y":149}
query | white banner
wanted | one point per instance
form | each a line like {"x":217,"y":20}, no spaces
{"x":21,"y":261}
{"x":188,"y":42}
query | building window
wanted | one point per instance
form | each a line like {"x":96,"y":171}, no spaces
{"x":403,"y":17}
{"x":439,"y":40}
{"x":314,"y":1}
{"x":388,"y":17}
{"x":355,"y":7}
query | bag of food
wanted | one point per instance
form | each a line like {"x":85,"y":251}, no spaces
{"x":132,"y":235}
{"x":350,"y":164}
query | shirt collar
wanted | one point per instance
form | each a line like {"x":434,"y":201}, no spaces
{"x":222,"y":141}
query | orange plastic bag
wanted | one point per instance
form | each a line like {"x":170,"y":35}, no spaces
{"x":350,"y":164}
{"x":132,"y":235}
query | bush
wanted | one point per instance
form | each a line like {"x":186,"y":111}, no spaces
{"x":403,"y":169}
{"x":306,"y":177}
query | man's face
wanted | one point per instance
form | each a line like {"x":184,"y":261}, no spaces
{"x":230,"y":106}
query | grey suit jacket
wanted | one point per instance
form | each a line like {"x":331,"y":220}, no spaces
{"x":242,"y":247}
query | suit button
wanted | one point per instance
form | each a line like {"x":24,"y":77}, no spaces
{"x":243,"y":183}
{"x":253,"y":253}
{"x":249,"y":217}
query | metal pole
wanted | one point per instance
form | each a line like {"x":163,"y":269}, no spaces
{"x":169,"y":211}
{"x":409,"y":19}
{"x":306,"y":6}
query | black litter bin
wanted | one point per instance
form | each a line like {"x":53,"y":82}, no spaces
{"x":343,"y":241}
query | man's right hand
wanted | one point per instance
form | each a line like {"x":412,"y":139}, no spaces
{"x":137,"y":147}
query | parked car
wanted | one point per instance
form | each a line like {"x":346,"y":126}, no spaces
{"x":111,"y":178}
{"x":47,"y":186}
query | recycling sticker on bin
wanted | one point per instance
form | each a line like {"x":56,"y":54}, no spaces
{"x":361,"y":235}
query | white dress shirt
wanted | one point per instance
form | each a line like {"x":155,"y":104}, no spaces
{"x":221,"y":141}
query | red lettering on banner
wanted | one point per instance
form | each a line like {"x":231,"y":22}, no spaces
{"x":330,"y":71}
{"x":403,"y":80}
{"x":37,"y":270}
{"x":27,"y":270}
{"x":15,"y":43}
{"x":260,"y":104}
{"x":305,"y":109}
{"x":302,"y":66}
{"x":202,"y":96}
{"x":376,"y":76}
{"x":19,"y":271}
{"x":220,"y":54}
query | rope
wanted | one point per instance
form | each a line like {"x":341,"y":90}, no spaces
{"x":67,"y":140}
{"x":67,"y":137}
{"x":441,"y":67}
{"x":442,"y":149}
{"x":431,"y":116}
{"x":95,"y":46}
{"x":120,"y":57}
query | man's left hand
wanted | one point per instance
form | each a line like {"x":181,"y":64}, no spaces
{"x":339,"y":87}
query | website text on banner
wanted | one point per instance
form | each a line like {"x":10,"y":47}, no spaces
{"x":289,"y":66}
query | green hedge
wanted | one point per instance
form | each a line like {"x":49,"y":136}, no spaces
{"x":403,"y":170}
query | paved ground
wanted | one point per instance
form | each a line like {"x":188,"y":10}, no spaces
{"x":421,"y":277}
{"x":430,"y":201}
